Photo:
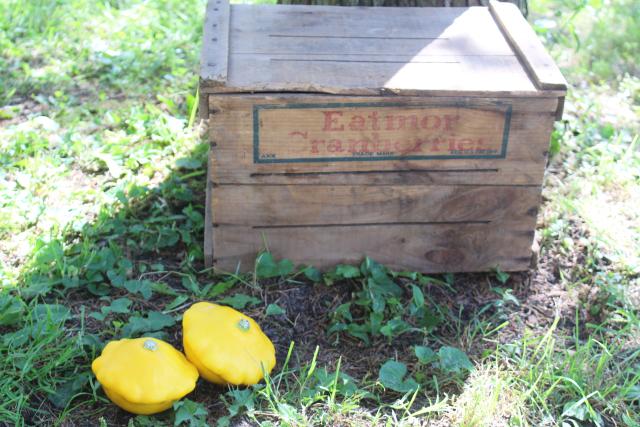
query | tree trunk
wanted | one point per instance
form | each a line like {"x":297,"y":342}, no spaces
{"x":522,"y":4}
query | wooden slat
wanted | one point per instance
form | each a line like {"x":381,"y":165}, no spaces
{"x":208,"y":219}
{"x":428,"y":248}
{"x":215,"y":47}
{"x":232,"y":131}
{"x":264,"y":74}
{"x":525,"y":42}
{"x":287,"y":205}
{"x":347,"y":50}
{"x":370,"y":33}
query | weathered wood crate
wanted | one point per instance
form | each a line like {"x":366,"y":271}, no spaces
{"x":416,"y":136}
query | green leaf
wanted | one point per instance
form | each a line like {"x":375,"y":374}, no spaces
{"x":394,"y":327}
{"x":452,"y":359}
{"x":176,"y":302}
{"x":143,"y":287}
{"x":275,"y":310}
{"x":120,"y":305}
{"x":68,"y":389}
{"x":239,"y":301}
{"x":392,"y":376}
{"x":11,"y":310}
{"x":425,"y":354}
{"x":155,"y":321}
{"x":221,"y":287}
{"x":54,"y":313}
{"x":501,"y":275}
{"x":312,"y":274}
{"x":188,"y":163}
{"x":267,"y":267}
{"x":163,"y":289}
{"x":418,"y":297}
{"x":573,"y":410}
{"x":190,"y":413}
{"x":241,"y":398}
{"x":345,"y":271}
{"x":190,"y":284}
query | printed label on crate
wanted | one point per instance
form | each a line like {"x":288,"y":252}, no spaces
{"x":375,"y":131}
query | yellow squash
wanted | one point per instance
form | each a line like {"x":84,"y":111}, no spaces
{"x":144,"y":375}
{"x":226,"y":346}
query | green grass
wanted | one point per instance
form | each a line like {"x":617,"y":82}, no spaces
{"x":101,"y":200}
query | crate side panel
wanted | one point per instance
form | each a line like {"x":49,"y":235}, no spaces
{"x":303,"y":145}
{"x":293,"y":205}
{"x":435,"y":248}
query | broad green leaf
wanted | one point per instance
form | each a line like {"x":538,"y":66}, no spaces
{"x":67,"y":390}
{"x":393,"y":375}
{"x":155,"y":321}
{"x":275,"y":310}
{"x":120,"y":305}
{"x":425,"y":354}
{"x":239,"y":301}
{"x":452,"y":359}
{"x":345,"y":271}
{"x":394,"y":327}
{"x":190,"y":413}
{"x":55,"y":313}
{"x":143,"y":287}
{"x":11,"y":309}
{"x":312,"y":274}
{"x":267,"y":267}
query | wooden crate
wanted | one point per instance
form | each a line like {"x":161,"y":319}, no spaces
{"x":416,"y":136}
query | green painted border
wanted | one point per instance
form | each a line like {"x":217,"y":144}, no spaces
{"x":256,"y":131}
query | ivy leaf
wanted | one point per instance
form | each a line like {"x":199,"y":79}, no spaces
{"x":345,"y":271}
{"x":53,"y":313}
{"x":67,"y":390}
{"x":241,"y":398}
{"x":11,"y":310}
{"x":392,"y":376}
{"x":275,"y":310}
{"x":155,"y":321}
{"x":190,"y":413}
{"x":239,"y":301}
{"x":425,"y":354}
{"x":143,"y":287}
{"x":267,"y":267}
{"x":312,"y":274}
{"x":394,"y":327}
{"x":454,"y":360}
{"x":120,"y":305}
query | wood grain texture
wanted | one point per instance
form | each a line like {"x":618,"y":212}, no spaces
{"x":428,"y":248}
{"x":214,"y":58}
{"x":232,"y":135}
{"x":362,"y":50}
{"x":208,"y":220}
{"x":529,"y":48}
{"x":293,"y":205}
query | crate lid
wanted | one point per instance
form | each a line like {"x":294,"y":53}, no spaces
{"x":370,"y":51}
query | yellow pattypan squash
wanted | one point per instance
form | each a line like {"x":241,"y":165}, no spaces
{"x":226,"y":346}
{"x":144,"y":375}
